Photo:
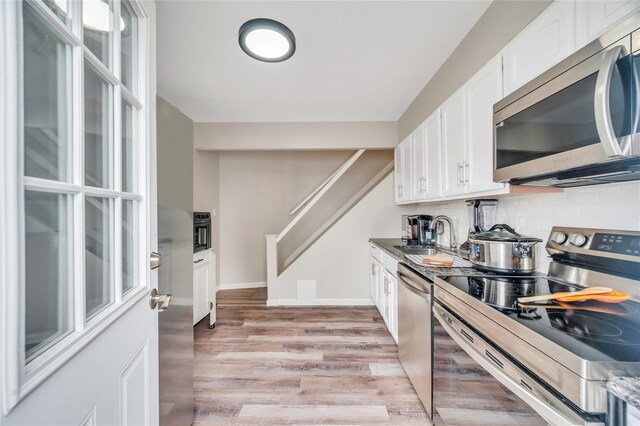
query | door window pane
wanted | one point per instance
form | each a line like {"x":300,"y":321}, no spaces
{"x":98,"y":276}
{"x":127,"y":147}
{"x":47,"y":118}
{"x":129,"y":227}
{"x":97,"y":129}
{"x":62,"y":9}
{"x":48,"y":279}
{"x":128,"y":27}
{"x":97,"y":23}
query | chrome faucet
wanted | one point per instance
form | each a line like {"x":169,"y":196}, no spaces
{"x":453,"y":244}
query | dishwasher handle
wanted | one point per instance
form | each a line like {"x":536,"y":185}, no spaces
{"x":422,"y":289}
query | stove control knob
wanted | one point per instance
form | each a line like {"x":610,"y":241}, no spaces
{"x":559,"y":237}
{"x":578,"y":240}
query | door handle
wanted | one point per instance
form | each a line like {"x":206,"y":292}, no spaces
{"x":604,"y":126}
{"x":155,"y":260}
{"x":466,"y":172}
{"x":161,"y":301}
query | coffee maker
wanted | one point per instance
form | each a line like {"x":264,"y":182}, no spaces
{"x":415,"y":230}
{"x":482,"y":216}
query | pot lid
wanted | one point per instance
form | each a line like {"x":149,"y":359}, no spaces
{"x":505,"y":233}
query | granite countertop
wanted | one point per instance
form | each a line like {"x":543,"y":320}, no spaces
{"x":627,"y":389}
{"x":429,"y":272}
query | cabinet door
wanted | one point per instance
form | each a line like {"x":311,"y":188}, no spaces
{"x":374,"y":278}
{"x":454,"y":142}
{"x":393,"y":307}
{"x":200,"y":292}
{"x":384,"y":306}
{"x":407,"y":170}
{"x":397,"y":166}
{"x":419,"y":163}
{"x":595,"y":17}
{"x":482,"y":91}
{"x":433,"y":153}
{"x":547,"y":40}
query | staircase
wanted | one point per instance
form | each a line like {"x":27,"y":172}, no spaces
{"x":325,"y":206}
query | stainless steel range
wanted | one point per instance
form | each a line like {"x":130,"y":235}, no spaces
{"x":555,"y":357}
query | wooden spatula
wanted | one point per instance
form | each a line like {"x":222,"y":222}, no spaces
{"x":614,"y":296}
{"x":584,"y":292}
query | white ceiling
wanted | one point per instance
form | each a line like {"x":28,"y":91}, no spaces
{"x":355,"y":60}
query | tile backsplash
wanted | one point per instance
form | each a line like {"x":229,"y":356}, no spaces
{"x":614,"y":206}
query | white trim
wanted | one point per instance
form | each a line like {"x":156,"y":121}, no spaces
{"x":342,"y":170}
{"x":237,"y":286}
{"x":320,"y":302}
{"x":314,"y":192}
{"x":182,"y":302}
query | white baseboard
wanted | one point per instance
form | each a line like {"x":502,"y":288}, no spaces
{"x":320,"y":302}
{"x":236,"y":286}
{"x":182,"y":302}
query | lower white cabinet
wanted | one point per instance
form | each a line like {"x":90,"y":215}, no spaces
{"x":204,"y":292}
{"x":384,"y":291}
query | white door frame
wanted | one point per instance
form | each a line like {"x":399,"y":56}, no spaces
{"x":17,"y":379}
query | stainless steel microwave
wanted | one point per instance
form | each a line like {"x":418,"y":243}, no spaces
{"x":577,"y":123}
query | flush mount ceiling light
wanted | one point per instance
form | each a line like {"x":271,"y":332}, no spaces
{"x":267,"y":40}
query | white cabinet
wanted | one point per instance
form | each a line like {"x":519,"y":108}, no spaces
{"x":594,"y":17}
{"x":403,"y":171}
{"x":547,"y":40}
{"x":204,"y":294}
{"x":481,"y":92}
{"x":454,"y":143}
{"x":419,"y":161}
{"x":427,"y":159}
{"x":384,"y":290}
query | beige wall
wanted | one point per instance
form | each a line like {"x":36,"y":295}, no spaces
{"x":294,"y":136}
{"x":257,"y":192}
{"x":206,"y":193}
{"x":175,"y":200}
{"x":502,"y":21}
{"x":175,"y":157}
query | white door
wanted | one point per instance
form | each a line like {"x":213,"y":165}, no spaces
{"x":407,"y":170}
{"x":397,"y":172}
{"x":419,"y":162}
{"x":78,"y":340}
{"x":433,"y":142}
{"x":201,"y":278}
{"x":595,"y":17}
{"x":482,"y":91}
{"x":454,"y":143}
{"x":547,"y":40}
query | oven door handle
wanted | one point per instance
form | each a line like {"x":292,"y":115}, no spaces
{"x":612,"y":147}
{"x":497,"y":366}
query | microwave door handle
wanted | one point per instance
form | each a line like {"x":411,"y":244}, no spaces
{"x":605,"y":128}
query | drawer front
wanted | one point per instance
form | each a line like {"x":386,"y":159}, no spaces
{"x":375,"y":252}
{"x":201,"y":258}
{"x":390,"y":264}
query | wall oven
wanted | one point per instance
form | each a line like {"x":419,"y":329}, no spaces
{"x":201,"y":231}
{"x":578,"y":123}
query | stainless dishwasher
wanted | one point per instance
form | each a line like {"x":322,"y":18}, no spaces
{"x":415,"y":328}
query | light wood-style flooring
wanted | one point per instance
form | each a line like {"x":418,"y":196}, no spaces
{"x":312,"y":365}
{"x":241,"y":297}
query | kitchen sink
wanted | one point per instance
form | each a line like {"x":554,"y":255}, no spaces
{"x":417,"y":250}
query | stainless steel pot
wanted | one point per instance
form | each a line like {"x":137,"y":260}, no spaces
{"x":502,"y":249}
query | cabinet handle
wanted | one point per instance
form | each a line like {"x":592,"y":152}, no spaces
{"x":373,"y":269}
{"x":460,"y":169}
{"x":199,"y":260}
{"x":466,"y":172}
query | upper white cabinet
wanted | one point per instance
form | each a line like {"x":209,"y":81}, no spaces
{"x":403,"y":171}
{"x":481,"y":92}
{"x":454,"y":140}
{"x":427,"y":159}
{"x":433,"y":151}
{"x":543,"y":43}
{"x":594,"y":17}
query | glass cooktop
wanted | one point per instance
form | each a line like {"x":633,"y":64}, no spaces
{"x":595,"y":331}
